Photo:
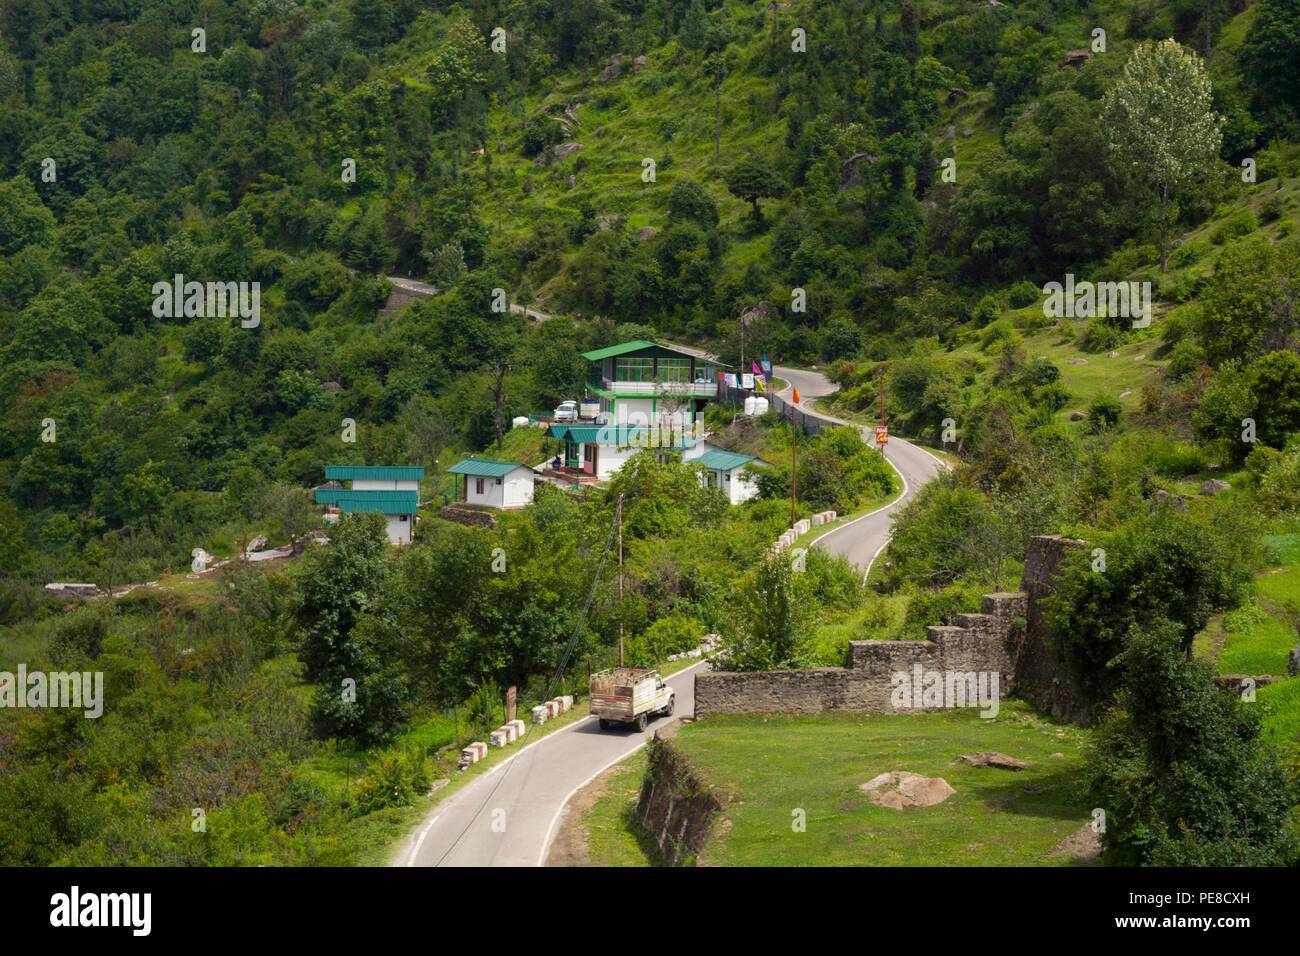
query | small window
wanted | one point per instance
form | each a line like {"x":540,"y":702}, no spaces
{"x":403,"y":517}
{"x":498,"y":481}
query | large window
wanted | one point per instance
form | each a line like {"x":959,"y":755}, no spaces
{"x":634,"y":370}
{"x":674,"y":370}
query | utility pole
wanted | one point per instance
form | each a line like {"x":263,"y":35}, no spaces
{"x":620,"y":579}
{"x":794,"y":464}
{"x":882,"y":410}
{"x":742,"y":343}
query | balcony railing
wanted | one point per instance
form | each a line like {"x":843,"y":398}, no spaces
{"x":694,"y":389}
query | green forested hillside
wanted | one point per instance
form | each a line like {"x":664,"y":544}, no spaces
{"x":896,"y":181}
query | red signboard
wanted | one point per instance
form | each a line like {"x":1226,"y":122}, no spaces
{"x":882,"y":434}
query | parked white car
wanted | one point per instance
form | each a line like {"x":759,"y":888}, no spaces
{"x":567,"y":412}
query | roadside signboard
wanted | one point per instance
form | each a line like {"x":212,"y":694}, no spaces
{"x":882,"y":434}
{"x":511,"y":697}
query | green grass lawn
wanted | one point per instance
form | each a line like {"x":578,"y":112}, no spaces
{"x":1259,"y":638}
{"x":774,"y":766}
{"x":611,"y":840}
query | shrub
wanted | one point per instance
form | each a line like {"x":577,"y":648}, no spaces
{"x":986,"y":311}
{"x":1188,"y":253}
{"x":995,"y":333}
{"x":1240,"y":223}
{"x":1100,"y":336}
{"x":1024,"y":293}
{"x":1186,"y":359}
{"x":1104,"y":412}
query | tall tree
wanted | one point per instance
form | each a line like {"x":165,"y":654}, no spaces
{"x":1160,"y":127}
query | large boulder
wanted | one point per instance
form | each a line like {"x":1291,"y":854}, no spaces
{"x":899,"y":789}
{"x":257,"y":544}
{"x":1214,"y":486}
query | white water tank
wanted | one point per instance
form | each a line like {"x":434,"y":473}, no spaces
{"x":760,"y":405}
{"x":518,"y":421}
{"x":750,"y":401}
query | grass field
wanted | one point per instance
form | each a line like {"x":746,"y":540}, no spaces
{"x":775,"y":766}
{"x":1260,"y":636}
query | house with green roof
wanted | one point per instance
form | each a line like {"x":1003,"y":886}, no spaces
{"x":648,"y":384}
{"x":494,"y":484}
{"x":729,"y":471}
{"x":390,"y":490}
{"x":596,"y":452}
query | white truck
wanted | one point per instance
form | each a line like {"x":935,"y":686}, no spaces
{"x":629,"y":695}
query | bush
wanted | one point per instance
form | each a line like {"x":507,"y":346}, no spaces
{"x":1188,"y":253}
{"x":1240,"y":223}
{"x":1186,"y":359}
{"x":395,"y":778}
{"x":1104,"y":412}
{"x":668,"y":635}
{"x":1100,"y":336}
{"x":986,"y":311}
{"x":1023,"y":294}
{"x":995,"y":333}
{"x":1181,"y":767}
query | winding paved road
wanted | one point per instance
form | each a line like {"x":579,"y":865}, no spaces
{"x":862,"y":539}
{"x":508,"y":816}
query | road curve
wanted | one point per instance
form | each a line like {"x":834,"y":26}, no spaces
{"x":507,"y":817}
{"x":862,"y":539}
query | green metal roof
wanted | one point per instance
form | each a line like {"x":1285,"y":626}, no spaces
{"x":717,"y":460}
{"x":597,"y":434}
{"x":641,"y":346}
{"x":484,"y":468}
{"x":388,"y":502}
{"x":381,"y":472}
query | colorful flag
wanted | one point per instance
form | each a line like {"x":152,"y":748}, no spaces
{"x":796,"y":396}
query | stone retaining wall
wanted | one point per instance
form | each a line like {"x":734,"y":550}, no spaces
{"x":980,"y":643}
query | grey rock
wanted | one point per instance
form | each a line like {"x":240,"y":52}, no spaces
{"x":1213,"y":486}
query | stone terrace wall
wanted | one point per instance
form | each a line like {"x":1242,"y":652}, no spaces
{"x":979,"y":642}
{"x":1039,"y":679}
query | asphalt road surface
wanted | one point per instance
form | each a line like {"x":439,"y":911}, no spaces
{"x":862,"y":539}
{"x":507,"y":817}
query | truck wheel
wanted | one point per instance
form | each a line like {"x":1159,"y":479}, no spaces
{"x":604,"y":724}
{"x":668,"y":711}
{"x":641,"y":722}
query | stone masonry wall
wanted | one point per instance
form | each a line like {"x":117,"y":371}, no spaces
{"x":1039,"y":678}
{"x":978,"y":643}
{"x":983,"y":642}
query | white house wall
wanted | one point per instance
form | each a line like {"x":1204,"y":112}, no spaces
{"x":519,"y":488}
{"x":383,"y":484}
{"x":399,"y":530}
{"x":493,"y":495}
